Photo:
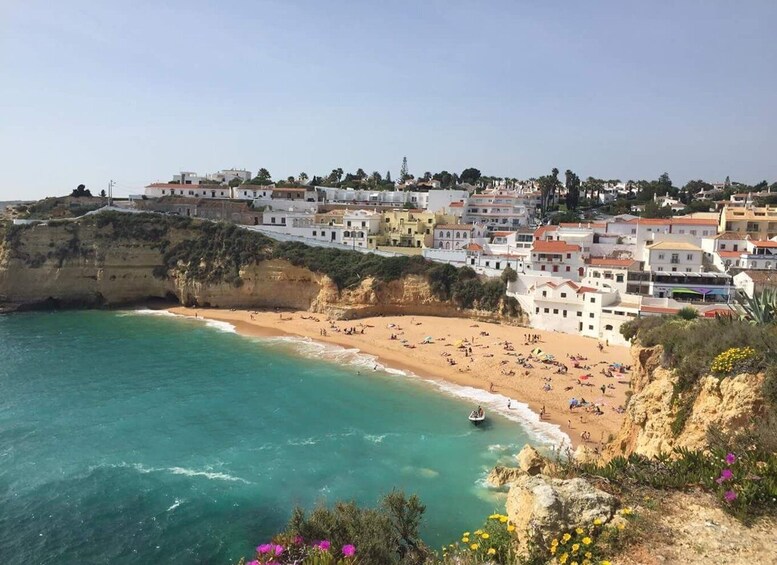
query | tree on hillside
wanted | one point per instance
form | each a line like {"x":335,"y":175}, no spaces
{"x":664,"y":184}
{"x":360,"y":174}
{"x":335,"y":176}
{"x":102,"y":193}
{"x":388,"y":176}
{"x":509,"y":275}
{"x":302,"y":177}
{"x":263,"y":177}
{"x":470,"y":175}
{"x":81,"y":191}
{"x":592,"y":187}
{"x":572,"y":183}
{"x":695,"y":186}
{"x":237,"y":181}
{"x":548,"y":185}
{"x":404,"y":174}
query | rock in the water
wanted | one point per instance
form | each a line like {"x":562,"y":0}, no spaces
{"x":501,"y":476}
{"x":542,"y":507}
{"x":530,"y":461}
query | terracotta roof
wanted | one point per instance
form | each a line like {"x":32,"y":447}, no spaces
{"x":586,"y":289}
{"x":730,"y":253}
{"x":673,"y":245}
{"x":694,"y":221}
{"x":540,"y":231}
{"x":731,"y":235}
{"x":502,"y":233}
{"x":465,"y":227}
{"x":764,"y":243}
{"x":607,"y":262}
{"x":554,"y":247}
{"x":659,"y":310}
{"x":457,"y":204}
{"x":473,"y":247}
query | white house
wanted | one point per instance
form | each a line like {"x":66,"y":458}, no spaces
{"x":749,"y":282}
{"x":211,"y":191}
{"x":559,"y":258}
{"x":455,"y":236}
{"x":225,"y":176}
{"x":604,"y":273}
{"x":670,"y":256}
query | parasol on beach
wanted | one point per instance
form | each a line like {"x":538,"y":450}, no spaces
{"x":459,"y":343}
{"x":428,"y":339}
{"x":536,"y":351}
{"x":585,"y":377}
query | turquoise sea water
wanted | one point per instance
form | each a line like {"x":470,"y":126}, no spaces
{"x":131,"y":438}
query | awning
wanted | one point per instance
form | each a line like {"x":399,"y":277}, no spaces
{"x":685,"y":291}
{"x":719,"y":292}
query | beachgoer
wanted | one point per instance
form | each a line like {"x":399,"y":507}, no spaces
{"x":509,"y":404}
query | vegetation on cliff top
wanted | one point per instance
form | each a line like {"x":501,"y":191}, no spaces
{"x":210,"y":252}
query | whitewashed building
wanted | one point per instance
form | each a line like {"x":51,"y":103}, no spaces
{"x":455,"y":236}
{"x":669,"y":256}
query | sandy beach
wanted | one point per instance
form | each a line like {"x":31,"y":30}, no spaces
{"x":470,"y":353}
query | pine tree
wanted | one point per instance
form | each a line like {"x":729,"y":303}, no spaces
{"x":403,"y":172}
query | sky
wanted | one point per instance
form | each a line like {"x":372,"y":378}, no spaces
{"x":136,"y":91}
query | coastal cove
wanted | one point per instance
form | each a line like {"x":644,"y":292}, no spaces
{"x":130,"y":437}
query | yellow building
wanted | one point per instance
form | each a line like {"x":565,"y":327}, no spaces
{"x":410,"y":227}
{"x":759,"y":223}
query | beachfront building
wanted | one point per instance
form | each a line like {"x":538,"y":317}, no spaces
{"x":253,"y":192}
{"x":557,"y":258}
{"x":674,"y":257}
{"x":499,"y":211}
{"x":409,"y":227}
{"x":607,"y":273}
{"x":758,"y":222}
{"x":456,"y":236}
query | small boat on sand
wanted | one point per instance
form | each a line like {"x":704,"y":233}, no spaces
{"x":477,"y":417}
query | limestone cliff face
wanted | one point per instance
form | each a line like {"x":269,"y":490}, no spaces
{"x":728,"y":405}
{"x":75,"y":264}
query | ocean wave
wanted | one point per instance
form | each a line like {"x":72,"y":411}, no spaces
{"x":544,"y":432}
{"x":214,"y":476}
{"x":221,"y":326}
{"x":147,"y":312}
{"x":175,"y":505}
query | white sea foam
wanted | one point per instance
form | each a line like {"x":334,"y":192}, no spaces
{"x":375,"y":438}
{"x":221,"y":326}
{"x":175,"y":505}
{"x":147,"y":312}
{"x":214,"y":476}
{"x":540,"y":430}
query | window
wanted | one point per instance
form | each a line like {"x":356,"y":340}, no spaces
{"x":555,"y":268}
{"x":722,"y":246}
{"x":690,"y":257}
{"x":546,"y":310}
{"x":537,"y":310}
{"x":608,"y":327}
{"x":660,"y":256}
{"x":590,"y":327}
{"x":314,"y":233}
{"x":569,"y":255}
{"x":674,"y":269}
{"x":567,"y":268}
{"x":545,"y":293}
{"x":563,"y":295}
{"x":579,"y":314}
{"x":675,"y":258}
{"x":593,"y":300}
{"x":555,"y":310}
{"x":591,"y":315}
{"x":565,"y":313}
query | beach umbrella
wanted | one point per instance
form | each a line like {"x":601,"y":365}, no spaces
{"x":536,"y":351}
{"x":585,"y":377}
{"x":459,"y":344}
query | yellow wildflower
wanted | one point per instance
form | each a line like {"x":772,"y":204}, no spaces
{"x":586,"y":562}
{"x":465,"y":539}
{"x":626,"y":511}
{"x":563,"y":559}
{"x":598,"y":522}
{"x":491,"y":551}
{"x":474,"y":547}
{"x":553,"y":549}
{"x":510,"y":528}
{"x":494,"y":517}
{"x":621,"y":526}
{"x":587,"y":540}
{"x":575,"y":546}
{"x":503,"y":519}
{"x":573,"y":563}
{"x":485,"y":535}
{"x":478,"y":532}
{"x":554,"y":542}
{"x":604,"y":562}
{"x":465,"y":534}
{"x":579,"y":531}
{"x":588,"y":554}
{"x":566,"y":537}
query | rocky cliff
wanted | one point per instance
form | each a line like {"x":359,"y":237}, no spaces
{"x":95,"y":263}
{"x":725,"y":404}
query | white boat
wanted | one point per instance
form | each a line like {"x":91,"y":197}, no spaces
{"x":476,"y":418}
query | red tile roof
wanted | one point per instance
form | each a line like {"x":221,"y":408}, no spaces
{"x":694,"y":221}
{"x":730,"y":253}
{"x":764,"y":243}
{"x":607,"y":262}
{"x":502,"y":233}
{"x":540,"y":231}
{"x":473,"y":247}
{"x":554,"y":247}
{"x":457,"y":204}
{"x":586,"y":289}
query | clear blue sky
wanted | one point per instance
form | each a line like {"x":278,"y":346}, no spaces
{"x":137,"y":90}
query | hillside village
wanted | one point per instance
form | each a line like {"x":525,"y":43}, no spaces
{"x":587,"y":276}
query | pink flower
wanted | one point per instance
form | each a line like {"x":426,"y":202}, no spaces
{"x":278,"y":549}
{"x":298,"y":540}
{"x":264,"y":548}
{"x":324,"y":545}
{"x":349,"y":550}
{"x":730,"y":496}
{"x":731,"y":459}
{"x":254,"y":562}
{"x":725,"y":475}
